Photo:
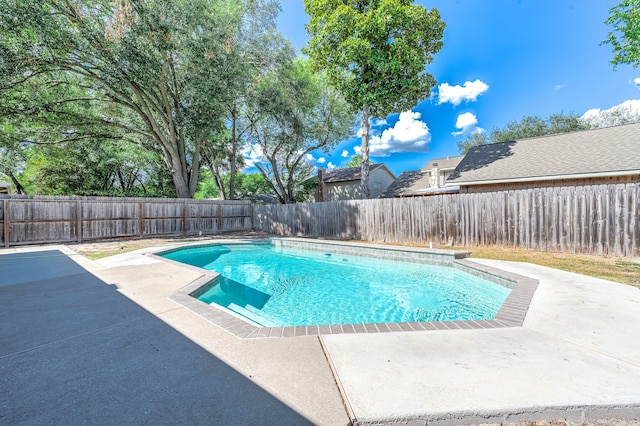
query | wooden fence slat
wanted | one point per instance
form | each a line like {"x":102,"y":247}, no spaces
{"x":37,"y":220}
{"x":595,"y":219}
{"x":5,"y":219}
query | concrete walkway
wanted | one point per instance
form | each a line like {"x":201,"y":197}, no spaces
{"x":89,"y":342}
{"x":103,"y":345}
{"x":577,"y":356}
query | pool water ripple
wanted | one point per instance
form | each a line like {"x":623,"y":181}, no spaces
{"x":277,"y":286}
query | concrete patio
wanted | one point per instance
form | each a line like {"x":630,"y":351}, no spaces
{"x":89,"y":342}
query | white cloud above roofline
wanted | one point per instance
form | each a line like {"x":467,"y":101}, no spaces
{"x":409,"y":134}
{"x":457,"y":94}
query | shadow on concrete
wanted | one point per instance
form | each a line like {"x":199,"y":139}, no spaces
{"x":75,"y":351}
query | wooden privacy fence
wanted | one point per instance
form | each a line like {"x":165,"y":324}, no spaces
{"x":34,"y":220}
{"x":599,"y":219}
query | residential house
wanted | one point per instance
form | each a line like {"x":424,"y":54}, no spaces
{"x":428,"y":181}
{"x":5,"y":187}
{"x":345,"y":184}
{"x":590,"y":157}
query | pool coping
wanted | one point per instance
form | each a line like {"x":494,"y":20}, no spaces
{"x":511,"y":314}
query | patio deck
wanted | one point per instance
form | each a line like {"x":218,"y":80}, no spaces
{"x":84,"y":341}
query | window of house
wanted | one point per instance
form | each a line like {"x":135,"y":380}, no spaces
{"x":377,"y":186}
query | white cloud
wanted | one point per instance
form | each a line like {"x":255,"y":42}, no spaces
{"x":469,"y":91}
{"x":357,"y":149}
{"x":344,"y":154}
{"x":559,"y":86}
{"x":378,"y":122}
{"x":321,"y":160}
{"x":636,"y":81}
{"x":331,"y":166}
{"x":310,"y":158}
{"x":467,"y":123}
{"x":252,"y":154}
{"x":409,"y":134}
{"x":626,"y":112}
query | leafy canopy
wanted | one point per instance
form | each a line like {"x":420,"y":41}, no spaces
{"x":296,"y":112}
{"x":375,"y":51}
{"x":625,"y":37}
{"x":356,"y":161}
{"x":151,"y":72}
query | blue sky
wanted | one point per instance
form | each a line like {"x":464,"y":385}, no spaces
{"x":501,"y":60}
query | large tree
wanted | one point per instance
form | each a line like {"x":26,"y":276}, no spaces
{"x":260,"y":48}
{"x":625,"y":37}
{"x":107,"y":168}
{"x":152,"y":72}
{"x":375,"y":53}
{"x":296,"y":113}
{"x":527,"y":127}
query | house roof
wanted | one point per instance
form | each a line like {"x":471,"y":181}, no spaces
{"x":5,"y":187}
{"x":448,"y":163}
{"x":352,"y":173}
{"x":611,"y":151}
{"x":407,"y":181}
{"x":415,"y":183}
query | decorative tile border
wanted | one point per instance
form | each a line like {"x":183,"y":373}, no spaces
{"x":511,"y":314}
{"x":407,"y":254}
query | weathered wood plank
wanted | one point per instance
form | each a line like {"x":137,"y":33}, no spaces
{"x":589,"y":219}
{"x":30,"y":220}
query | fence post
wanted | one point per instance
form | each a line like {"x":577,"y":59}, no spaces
{"x":6,"y":223}
{"x":79,"y":221}
{"x":140,"y":220}
{"x":219,"y":217}
{"x":251,"y":211}
{"x":185,"y":218}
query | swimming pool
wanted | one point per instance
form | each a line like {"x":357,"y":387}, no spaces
{"x":280,"y":286}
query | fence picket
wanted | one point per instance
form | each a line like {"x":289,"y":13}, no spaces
{"x":593,"y":219}
{"x":36,"y":220}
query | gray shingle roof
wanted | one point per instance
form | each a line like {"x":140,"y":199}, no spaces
{"x":407,"y":181}
{"x":352,"y":173}
{"x":414,"y":183}
{"x":601,"y":152}
{"x":448,"y":163}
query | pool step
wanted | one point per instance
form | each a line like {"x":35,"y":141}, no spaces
{"x":258,"y":318}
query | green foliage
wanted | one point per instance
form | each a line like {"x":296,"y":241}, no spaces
{"x":12,"y":163}
{"x":625,"y":37}
{"x":108,"y":168}
{"x":250,"y":183}
{"x":356,"y":161}
{"x":374,"y":52}
{"x":527,"y":127}
{"x":155,"y":73}
{"x":296,"y":112}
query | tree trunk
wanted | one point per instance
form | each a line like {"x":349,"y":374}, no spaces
{"x":232,"y":158}
{"x":19,"y":188}
{"x":281,"y":199}
{"x":364,"y":168}
{"x":180,"y":178}
{"x":219,"y":181}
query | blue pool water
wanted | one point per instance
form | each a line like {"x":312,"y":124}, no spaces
{"x":291,"y":287}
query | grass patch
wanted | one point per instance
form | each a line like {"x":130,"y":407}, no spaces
{"x":101,"y":254}
{"x":621,"y":270}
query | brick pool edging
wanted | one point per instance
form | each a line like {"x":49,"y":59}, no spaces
{"x":511,"y":314}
